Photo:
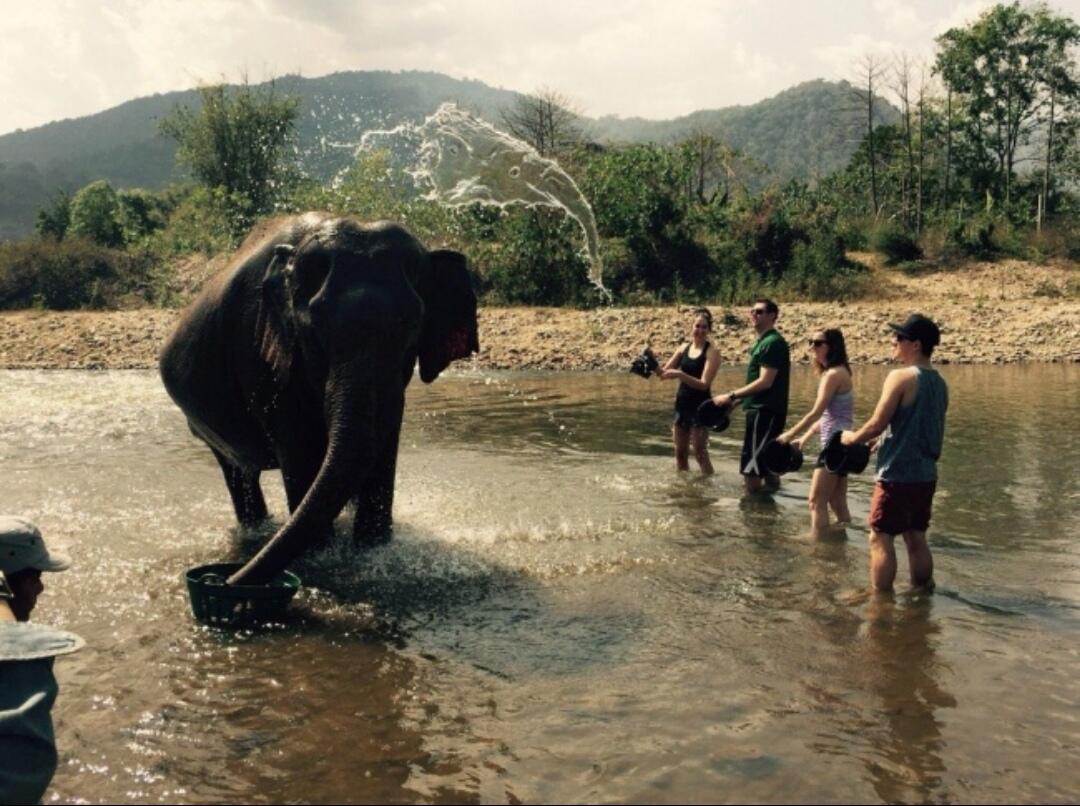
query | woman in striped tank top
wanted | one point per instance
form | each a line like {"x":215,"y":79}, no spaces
{"x":833,"y":411}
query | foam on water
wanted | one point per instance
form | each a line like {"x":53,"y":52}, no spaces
{"x":457,"y":159}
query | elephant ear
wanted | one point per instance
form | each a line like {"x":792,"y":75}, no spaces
{"x":273,"y":329}
{"x":450,"y":330}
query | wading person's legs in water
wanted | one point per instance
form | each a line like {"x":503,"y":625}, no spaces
{"x":681,"y":437}
{"x":699,"y":439}
{"x":883,"y":560}
{"x":838,"y":502}
{"x":823,"y":486}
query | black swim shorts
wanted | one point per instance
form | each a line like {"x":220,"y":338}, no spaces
{"x":762,"y":427}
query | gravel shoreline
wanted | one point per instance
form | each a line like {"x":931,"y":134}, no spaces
{"x":601,"y":339}
{"x":990,"y":313}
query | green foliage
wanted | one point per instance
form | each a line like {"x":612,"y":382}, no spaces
{"x":204,"y":220}
{"x":238,"y":141}
{"x":371,"y":189}
{"x":895,"y":243}
{"x":53,"y":220}
{"x":1001,"y":68}
{"x":142,"y":213}
{"x":820,"y":270}
{"x":645,"y":196}
{"x":533,"y":258}
{"x":95,"y":214}
{"x":73,"y":273}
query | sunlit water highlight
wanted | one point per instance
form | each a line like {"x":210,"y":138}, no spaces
{"x":458,"y":159}
{"x":561,"y":617}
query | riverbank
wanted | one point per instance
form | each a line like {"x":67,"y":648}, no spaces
{"x":990,"y":313}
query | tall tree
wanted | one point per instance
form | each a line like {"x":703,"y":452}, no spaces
{"x":711,"y":167}
{"x":54,"y":218}
{"x":1000,"y":67}
{"x":902,"y":69}
{"x":1061,"y":88}
{"x":547,"y":120}
{"x":95,"y":214}
{"x":238,"y":140}
{"x":870,"y":71}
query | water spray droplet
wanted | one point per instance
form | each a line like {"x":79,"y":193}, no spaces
{"x":457,"y":159}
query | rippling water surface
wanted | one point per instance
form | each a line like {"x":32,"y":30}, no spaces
{"x":561,"y":616}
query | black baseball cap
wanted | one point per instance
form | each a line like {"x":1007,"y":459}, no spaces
{"x":919,"y":328}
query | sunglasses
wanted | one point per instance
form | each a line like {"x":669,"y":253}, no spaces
{"x":758,"y":311}
{"x":901,"y":337}
{"x":815,"y":342}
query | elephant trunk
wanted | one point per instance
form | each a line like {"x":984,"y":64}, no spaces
{"x":353,"y":409}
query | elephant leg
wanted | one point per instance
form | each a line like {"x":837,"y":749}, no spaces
{"x":244,"y":489}
{"x":375,"y":500}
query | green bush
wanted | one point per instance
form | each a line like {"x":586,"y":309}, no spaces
{"x":534,"y":260}
{"x":209,"y":221}
{"x":73,"y":273}
{"x":855,"y":232}
{"x":975,"y":236}
{"x":820,"y":270}
{"x":895,"y":243}
{"x":95,"y":214}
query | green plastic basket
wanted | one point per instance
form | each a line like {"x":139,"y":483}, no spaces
{"x":220,"y":605}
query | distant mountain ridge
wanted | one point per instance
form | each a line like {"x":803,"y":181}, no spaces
{"x":796,"y":133}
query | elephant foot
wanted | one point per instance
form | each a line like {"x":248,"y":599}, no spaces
{"x":370,"y":535}
{"x":254,"y":520}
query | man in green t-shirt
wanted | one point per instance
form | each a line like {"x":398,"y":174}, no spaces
{"x":764,"y":396}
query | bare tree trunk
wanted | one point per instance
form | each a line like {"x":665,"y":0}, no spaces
{"x":870,"y":138}
{"x":922,"y":159}
{"x":903,"y":94}
{"x":948,"y":143}
{"x":1049,"y":160}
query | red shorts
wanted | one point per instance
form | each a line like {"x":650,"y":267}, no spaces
{"x":899,"y":506}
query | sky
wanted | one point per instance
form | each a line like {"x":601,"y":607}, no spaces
{"x":650,"y":58}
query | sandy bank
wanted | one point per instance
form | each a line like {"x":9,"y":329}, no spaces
{"x":989,"y":313}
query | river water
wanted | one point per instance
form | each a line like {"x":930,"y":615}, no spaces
{"x":561,"y":616}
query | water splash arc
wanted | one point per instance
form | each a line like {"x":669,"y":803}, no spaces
{"x":457,"y":159}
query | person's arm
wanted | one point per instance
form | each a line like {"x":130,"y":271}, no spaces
{"x":764,"y":381}
{"x":825,"y":391}
{"x":672,"y":363}
{"x":891,"y":394}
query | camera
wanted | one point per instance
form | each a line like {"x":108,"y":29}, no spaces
{"x":644,"y":364}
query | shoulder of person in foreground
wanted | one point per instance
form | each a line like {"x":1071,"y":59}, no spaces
{"x":27,"y":692}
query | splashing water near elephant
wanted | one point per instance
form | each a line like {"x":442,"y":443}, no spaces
{"x":457,"y":159}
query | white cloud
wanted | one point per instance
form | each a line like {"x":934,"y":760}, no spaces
{"x":898,"y":16}
{"x":961,"y":15}
{"x":66,"y":58}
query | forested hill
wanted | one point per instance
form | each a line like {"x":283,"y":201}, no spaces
{"x":805,"y":132}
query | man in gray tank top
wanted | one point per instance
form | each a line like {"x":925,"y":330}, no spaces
{"x":910,"y":416}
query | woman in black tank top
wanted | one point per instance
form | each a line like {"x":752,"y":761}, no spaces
{"x":694,"y":365}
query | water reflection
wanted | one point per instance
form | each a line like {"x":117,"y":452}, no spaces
{"x":908,"y":678}
{"x":561,"y":616}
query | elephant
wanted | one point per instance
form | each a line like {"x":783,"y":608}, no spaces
{"x":296,"y":356}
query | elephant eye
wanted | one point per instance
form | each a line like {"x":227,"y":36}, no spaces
{"x":310,"y":275}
